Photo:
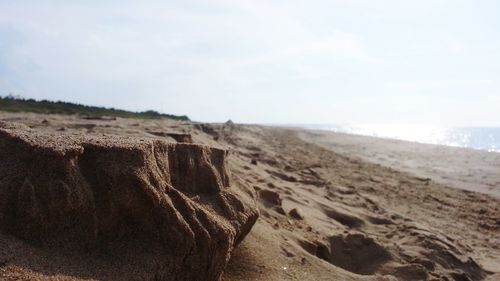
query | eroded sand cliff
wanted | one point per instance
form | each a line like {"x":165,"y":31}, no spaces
{"x":166,"y":210}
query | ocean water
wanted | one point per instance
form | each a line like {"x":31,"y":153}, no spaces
{"x":483,"y":138}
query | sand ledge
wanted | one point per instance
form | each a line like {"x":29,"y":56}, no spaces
{"x":163,"y":208}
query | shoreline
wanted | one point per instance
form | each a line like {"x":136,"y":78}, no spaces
{"x":390,"y":138}
{"x":464,"y":168}
{"x":405,"y":140}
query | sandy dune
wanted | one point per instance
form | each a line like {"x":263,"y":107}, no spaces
{"x":326,"y":212}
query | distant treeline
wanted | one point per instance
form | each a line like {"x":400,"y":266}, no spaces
{"x":18,"y":104}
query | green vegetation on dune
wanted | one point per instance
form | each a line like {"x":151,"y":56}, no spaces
{"x":16,"y":104}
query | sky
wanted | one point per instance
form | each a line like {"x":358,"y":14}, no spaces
{"x":433,"y":62}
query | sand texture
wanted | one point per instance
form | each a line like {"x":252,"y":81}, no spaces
{"x":130,"y":199}
{"x":165,"y":209}
{"x":468,"y":169}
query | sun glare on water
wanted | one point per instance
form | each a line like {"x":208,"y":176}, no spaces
{"x":471,"y":137}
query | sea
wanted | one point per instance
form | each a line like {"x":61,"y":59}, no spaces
{"x":482,"y":138}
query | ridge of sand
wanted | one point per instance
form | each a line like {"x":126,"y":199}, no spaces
{"x":163,"y":210}
{"x":324,"y":215}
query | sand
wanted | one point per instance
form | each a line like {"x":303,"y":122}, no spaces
{"x":468,"y":169}
{"x":329,"y":209}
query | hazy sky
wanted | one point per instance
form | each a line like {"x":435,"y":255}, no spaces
{"x":332,"y":61}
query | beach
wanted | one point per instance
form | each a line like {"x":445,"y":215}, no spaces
{"x":330,"y":206}
{"x":469,"y":169}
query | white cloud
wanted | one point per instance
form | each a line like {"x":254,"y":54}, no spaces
{"x":271,"y":57}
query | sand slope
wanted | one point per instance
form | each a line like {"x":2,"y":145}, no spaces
{"x":362,"y":217}
{"x":323,"y":215}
